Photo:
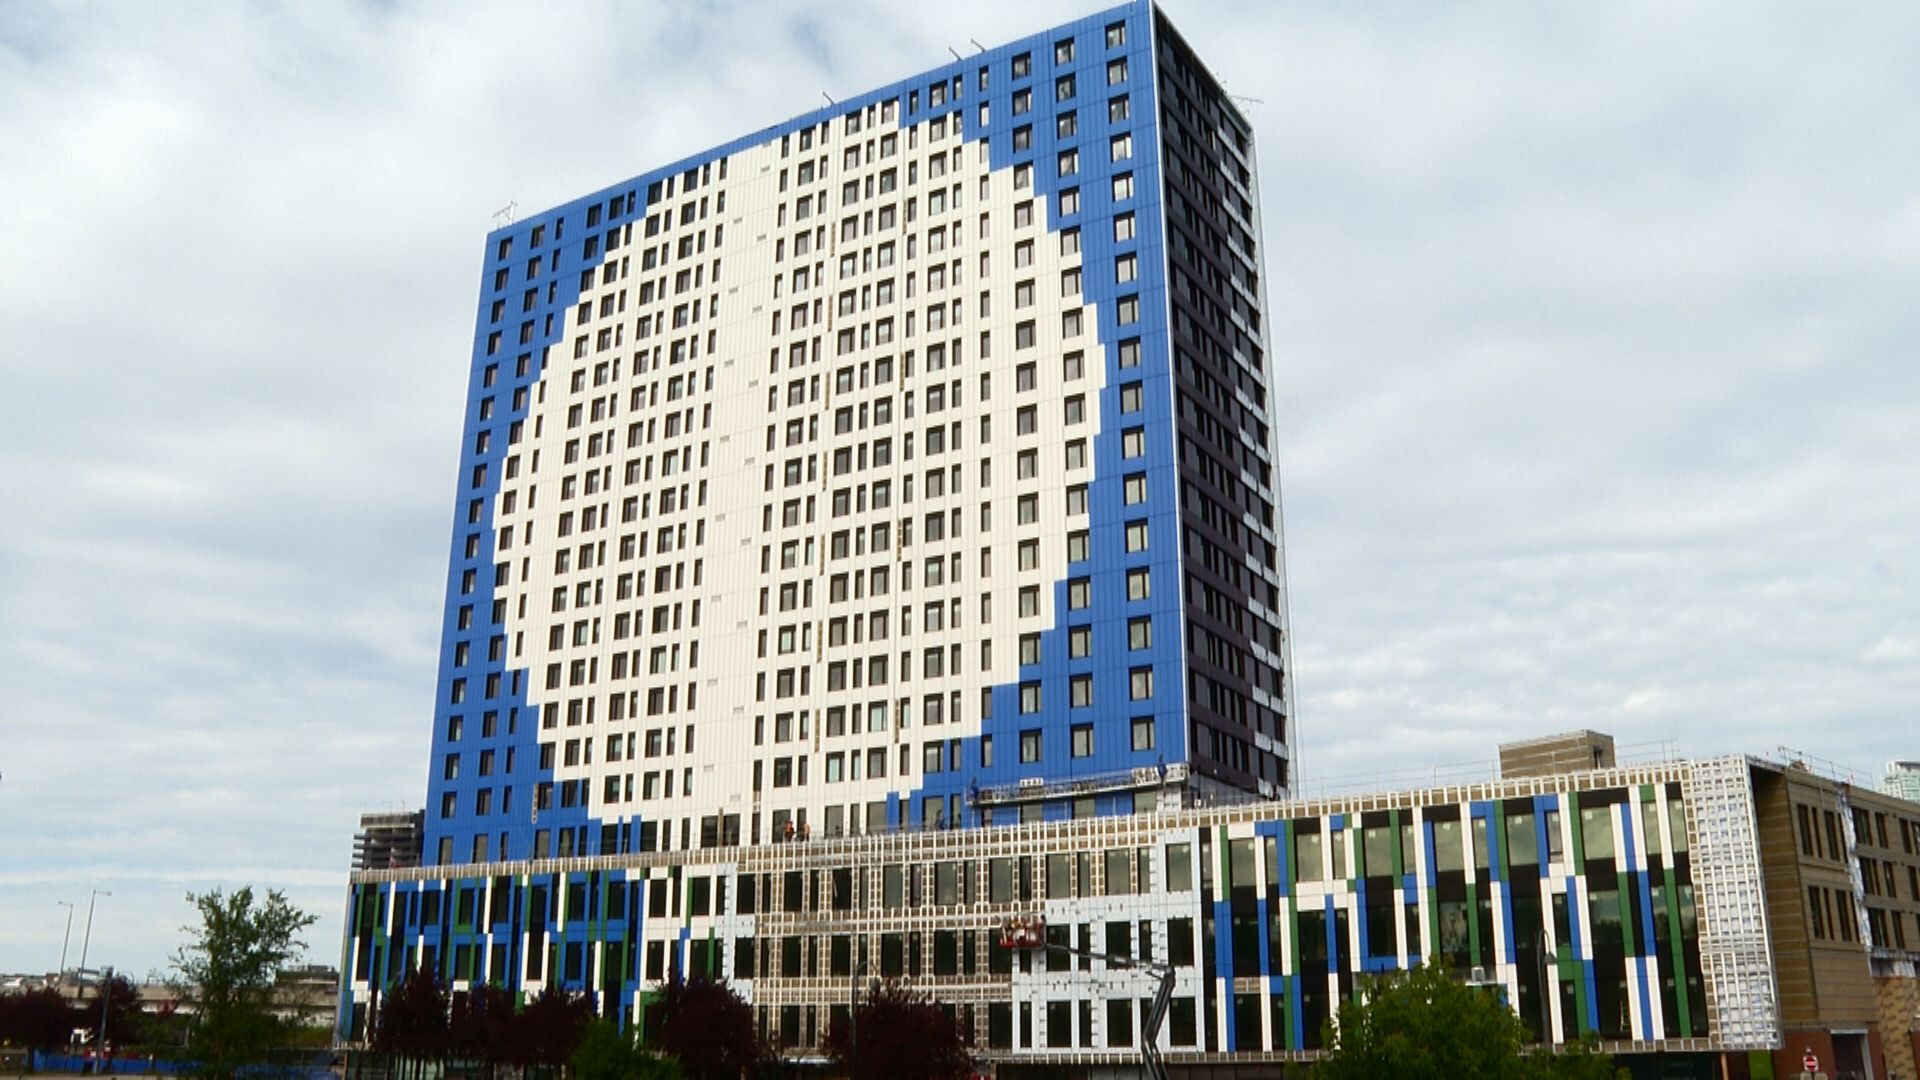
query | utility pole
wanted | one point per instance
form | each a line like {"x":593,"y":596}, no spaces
{"x":60,"y":982}
{"x":106,"y":999}
{"x":87,"y":938}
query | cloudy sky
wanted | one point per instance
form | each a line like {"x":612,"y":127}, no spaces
{"x":1593,"y":327}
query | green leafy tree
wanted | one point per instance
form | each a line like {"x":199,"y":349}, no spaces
{"x":228,"y":970}
{"x":897,"y":1033}
{"x":607,"y":1053}
{"x":1425,"y":1026}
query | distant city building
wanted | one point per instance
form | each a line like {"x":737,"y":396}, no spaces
{"x":1902,"y":780}
{"x":388,"y":841}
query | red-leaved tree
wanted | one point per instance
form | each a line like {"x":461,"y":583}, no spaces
{"x":898,"y":1034}
{"x":708,"y":1028}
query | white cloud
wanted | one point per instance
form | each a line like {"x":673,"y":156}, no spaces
{"x":1589,"y":324}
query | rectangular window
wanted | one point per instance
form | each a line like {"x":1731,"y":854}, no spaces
{"x":1143,"y":733}
{"x":1140,"y":683}
{"x":1080,"y":695}
{"x":1079,"y":641}
{"x":1030,"y":746}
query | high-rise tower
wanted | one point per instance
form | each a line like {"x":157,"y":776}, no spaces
{"x":907,"y":464}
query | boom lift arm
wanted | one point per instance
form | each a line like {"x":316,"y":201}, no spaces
{"x":1032,"y":934}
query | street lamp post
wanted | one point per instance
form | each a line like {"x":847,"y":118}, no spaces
{"x":60,"y":982}
{"x":106,"y":999}
{"x":87,"y":938}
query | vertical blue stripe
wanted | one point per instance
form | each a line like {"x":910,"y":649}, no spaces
{"x":1299,"y":1038}
{"x":1266,"y":944}
{"x":1426,"y":837}
{"x":1505,"y":892}
{"x":1333,"y":951}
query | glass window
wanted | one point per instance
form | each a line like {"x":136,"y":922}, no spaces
{"x":1082,"y":734}
{"x":1376,"y":851}
{"x":1179,"y":867}
{"x":1080,"y":641}
{"x":1143,"y":733}
{"x":1523,"y":840}
{"x":1307,"y":862}
{"x":1596,"y":831}
{"x":1448,"y":850}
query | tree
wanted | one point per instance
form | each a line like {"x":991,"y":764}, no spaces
{"x":38,"y":1019}
{"x":708,"y":1028}
{"x":480,"y":1027}
{"x":898,"y":1033}
{"x":547,"y":1030}
{"x":1423,"y":1025}
{"x":608,"y":1053}
{"x":413,"y":1020}
{"x":125,"y":1022}
{"x":228,"y":970}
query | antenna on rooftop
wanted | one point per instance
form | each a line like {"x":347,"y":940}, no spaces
{"x":829,"y":98}
{"x":954,"y":51}
{"x":504,"y":215}
{"x":977,"y":45}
